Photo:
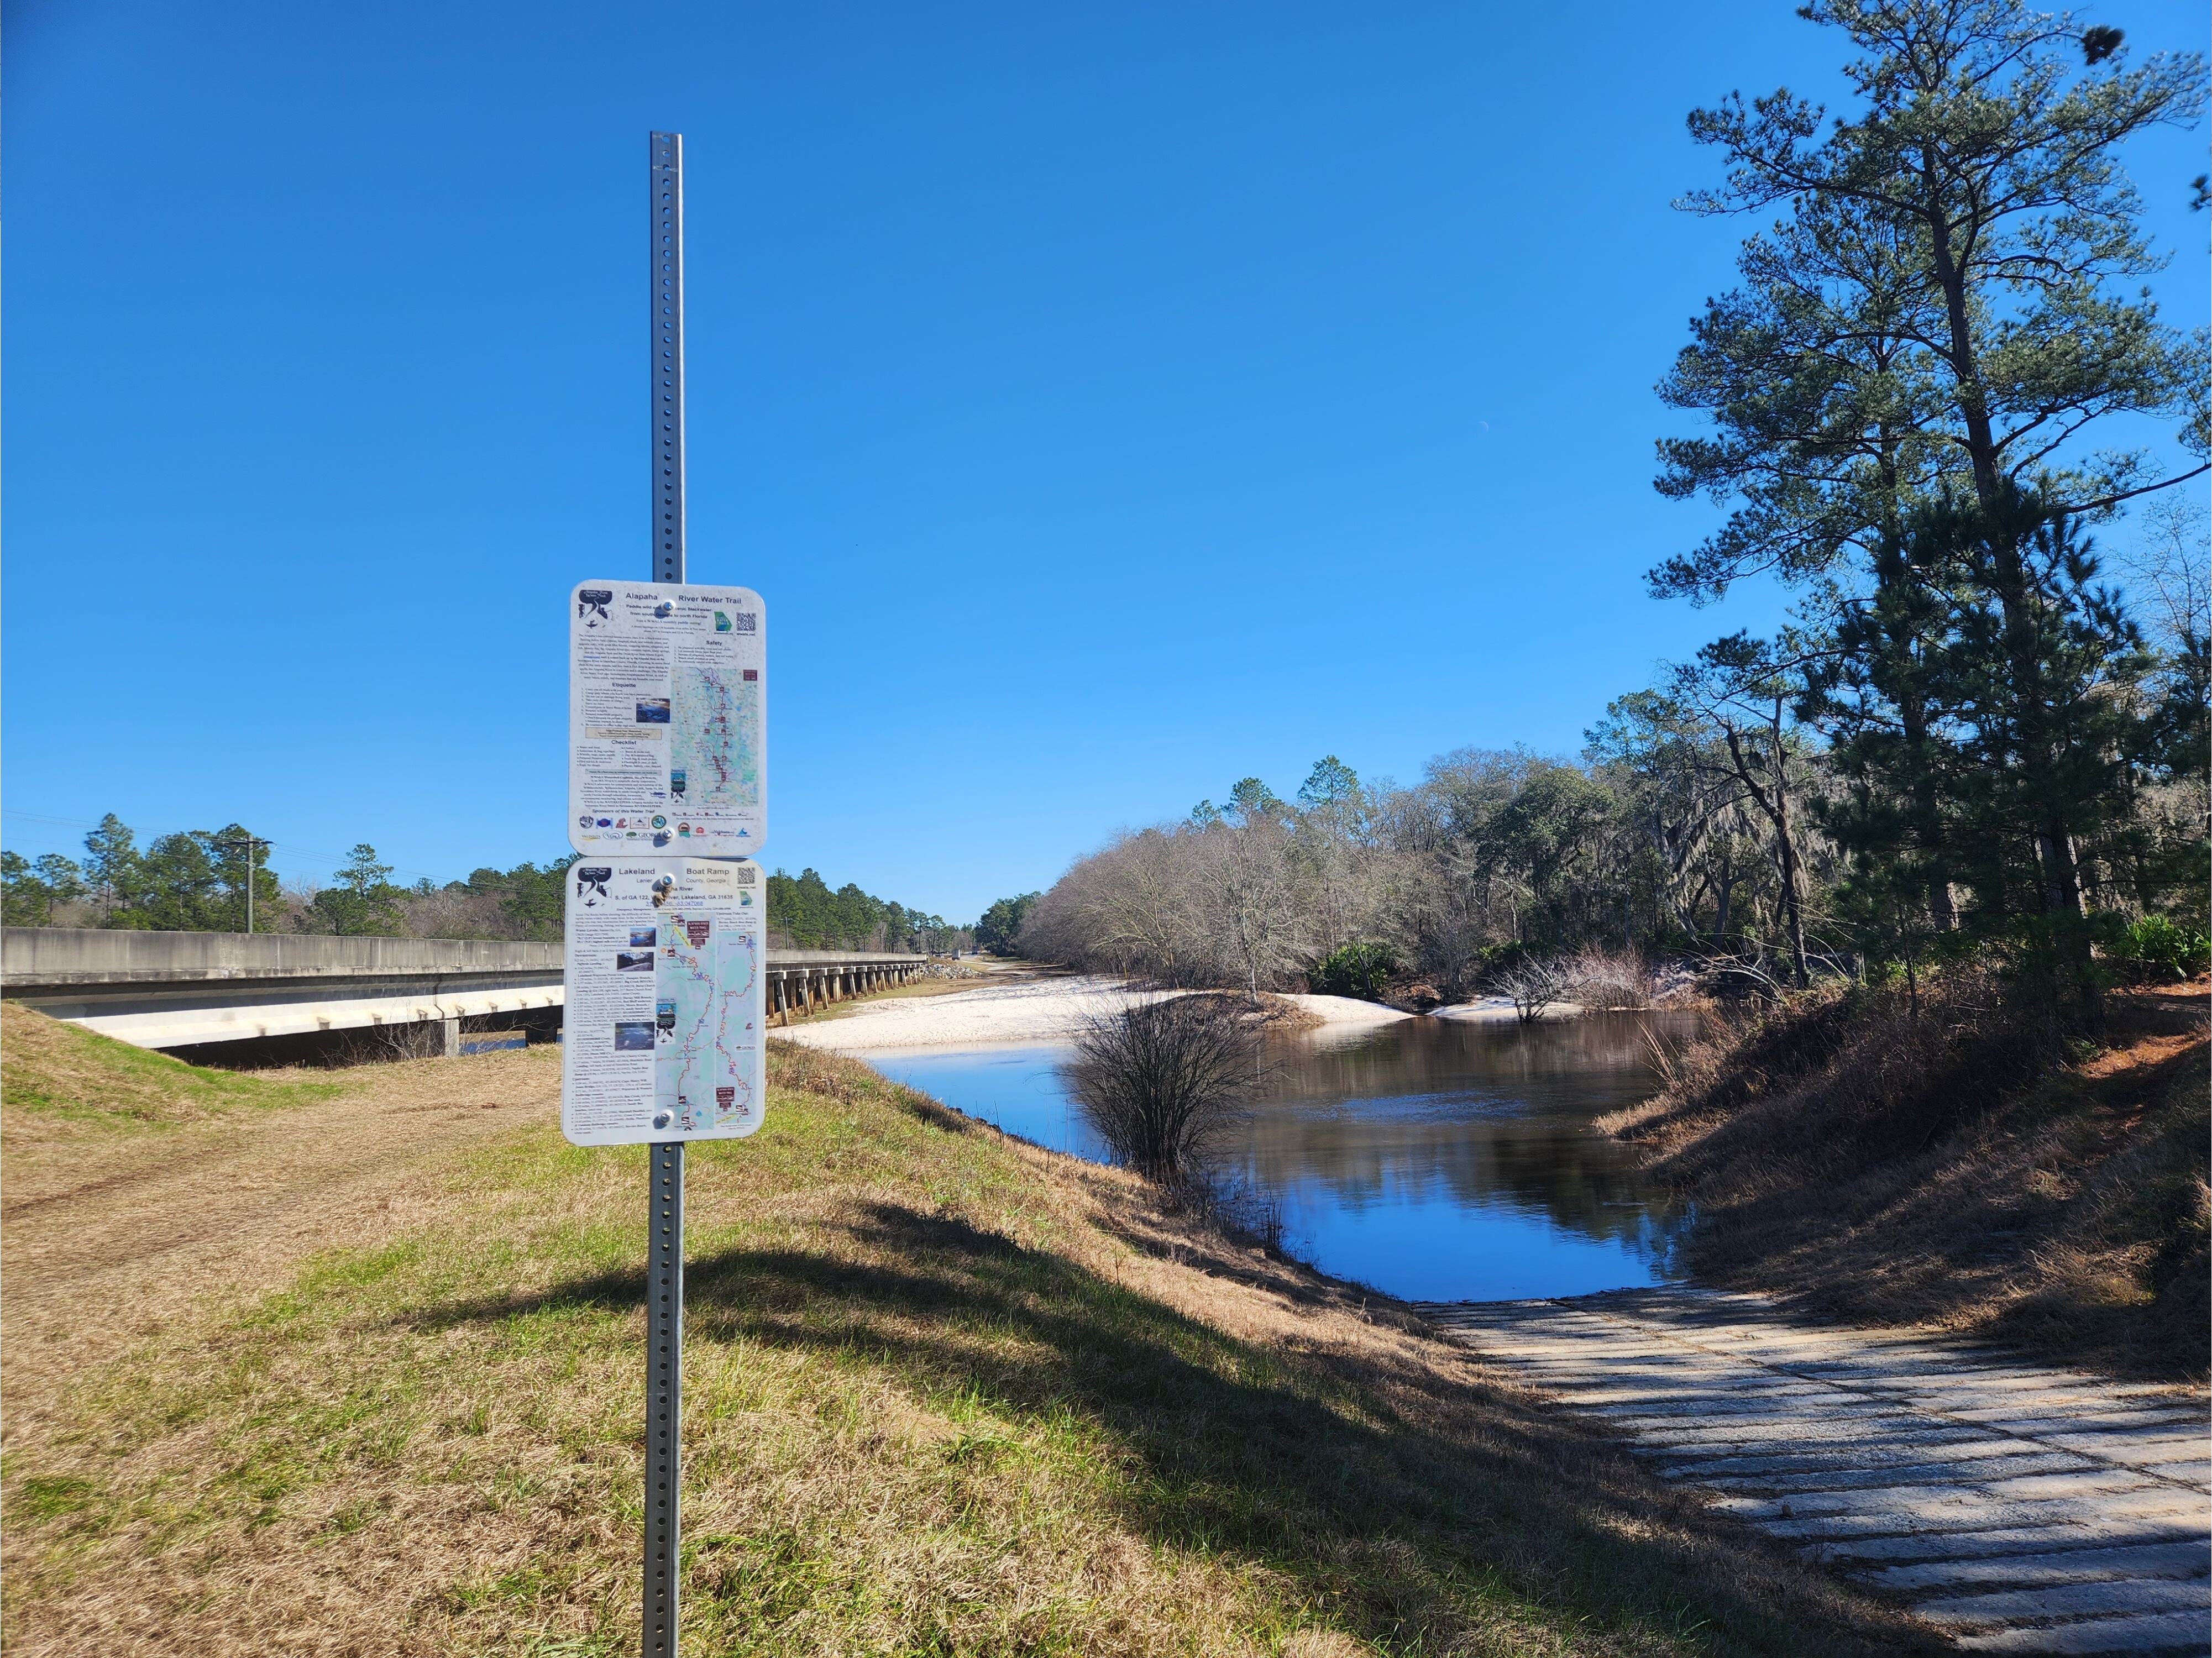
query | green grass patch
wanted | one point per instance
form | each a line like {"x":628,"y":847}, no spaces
{"x":61,"y":1071}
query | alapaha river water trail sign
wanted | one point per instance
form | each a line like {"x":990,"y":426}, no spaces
{"x":667,"y":719}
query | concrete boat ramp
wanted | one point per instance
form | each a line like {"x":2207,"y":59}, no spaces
{"x":2016,"y":1507}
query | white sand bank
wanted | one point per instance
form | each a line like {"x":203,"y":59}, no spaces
{"x":1031,"y":1011}
{"x":1345,"y":1012}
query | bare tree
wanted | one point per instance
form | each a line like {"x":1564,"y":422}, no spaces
{"x":1250,"y":897}
{"x":2166,"y":565}
{"x":1747,"y":687}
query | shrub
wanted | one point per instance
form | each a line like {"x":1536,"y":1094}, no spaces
{"x":1596,"y":980}
{"x":1535,"y":985}
{"x":2159,"y":949}
{"x":1358,"y":970}
{"x":1160,"y":1081}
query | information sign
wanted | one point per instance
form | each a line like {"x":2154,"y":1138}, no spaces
{"x":667,"y":719}
{"x":666,"y":1001}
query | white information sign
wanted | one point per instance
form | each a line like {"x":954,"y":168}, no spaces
{"x":667,"y":1008}
{"x":667,"y":719}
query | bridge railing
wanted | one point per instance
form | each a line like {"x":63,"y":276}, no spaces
{"x":183,"y":989}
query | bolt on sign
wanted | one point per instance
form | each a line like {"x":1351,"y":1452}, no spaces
{"x":666,"y":1001}
{"x":667,"y":719}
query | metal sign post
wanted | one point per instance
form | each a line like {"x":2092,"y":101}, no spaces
{"x":664,"y":1286}
{"x":663,"y":941}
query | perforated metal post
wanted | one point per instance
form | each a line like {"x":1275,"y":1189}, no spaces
{"x":663,"y":1398}
{"x":667,"y":176}
{"x":663,"y":1285}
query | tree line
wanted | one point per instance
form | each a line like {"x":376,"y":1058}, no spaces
{"x":196,"y":881}
{"x":804,"y":913}
{"x":1966,"y":739}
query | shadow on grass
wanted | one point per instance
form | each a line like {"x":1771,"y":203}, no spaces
{"x":1393,"y":1496}
{"x":620,"y":1291}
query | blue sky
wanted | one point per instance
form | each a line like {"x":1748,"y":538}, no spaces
{"x":1111,"y":401}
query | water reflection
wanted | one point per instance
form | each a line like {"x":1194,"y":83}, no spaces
{"x":1431,"y":1158}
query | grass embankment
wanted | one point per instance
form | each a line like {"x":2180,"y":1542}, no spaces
{"x":1945,"y":1169}
{"x":59,"y":1073}
{"x":945,"y":1394}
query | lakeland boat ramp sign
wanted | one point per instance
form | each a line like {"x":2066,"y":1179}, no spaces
{"x":667,"y":719}
{"x":666,"y":1000}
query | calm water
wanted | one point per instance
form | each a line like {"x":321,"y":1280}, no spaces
{"x":1434,"y":1159}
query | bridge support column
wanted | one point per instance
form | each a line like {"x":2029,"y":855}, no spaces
{"x":452,"y":1034}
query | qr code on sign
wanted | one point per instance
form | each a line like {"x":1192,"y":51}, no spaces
{"x":748,"y":621}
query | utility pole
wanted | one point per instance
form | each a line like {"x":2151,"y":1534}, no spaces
{"x":664,"y":1294}
{"x":252,"y":845}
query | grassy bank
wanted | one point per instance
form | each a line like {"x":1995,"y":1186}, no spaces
{"x":59,"y":1076}
{"x":946,"y":1393}
{"x":1946,"y":1168}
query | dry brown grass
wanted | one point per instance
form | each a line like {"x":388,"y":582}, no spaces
{"x":1945,"y":1169}
{"x":945,"y":1394}
{"x":1282,"y":1016}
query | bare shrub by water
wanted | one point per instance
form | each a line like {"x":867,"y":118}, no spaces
{"x":1598,"y":978}
{"x":1161,"y":1081}
{"x":1533,"y":986}
{"x":1588,"y":979}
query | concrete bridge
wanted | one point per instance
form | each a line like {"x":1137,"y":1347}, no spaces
{"x":183,"y":989}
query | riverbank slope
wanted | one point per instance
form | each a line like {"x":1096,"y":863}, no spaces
{"x":365,"y":1370}
{"x":1877,"y":1164}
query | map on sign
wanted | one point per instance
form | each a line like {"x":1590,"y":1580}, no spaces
{"x":666,"y":1000}
{"x":716,"y":744}
{"x":704,"y":988}
{"x":667,"y":719}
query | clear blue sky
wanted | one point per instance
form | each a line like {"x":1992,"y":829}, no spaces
{"x":1112,"y":401}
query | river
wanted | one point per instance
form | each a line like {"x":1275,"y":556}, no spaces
{"x":1433,"y":1159}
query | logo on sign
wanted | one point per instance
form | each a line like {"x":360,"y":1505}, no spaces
{"x":591,"y":882}
{"x":697,"y":931}
{"x":725,"y":1098}
{"x":592,"y":604}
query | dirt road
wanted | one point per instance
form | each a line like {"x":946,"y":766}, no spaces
{"x":109,"y":1234}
